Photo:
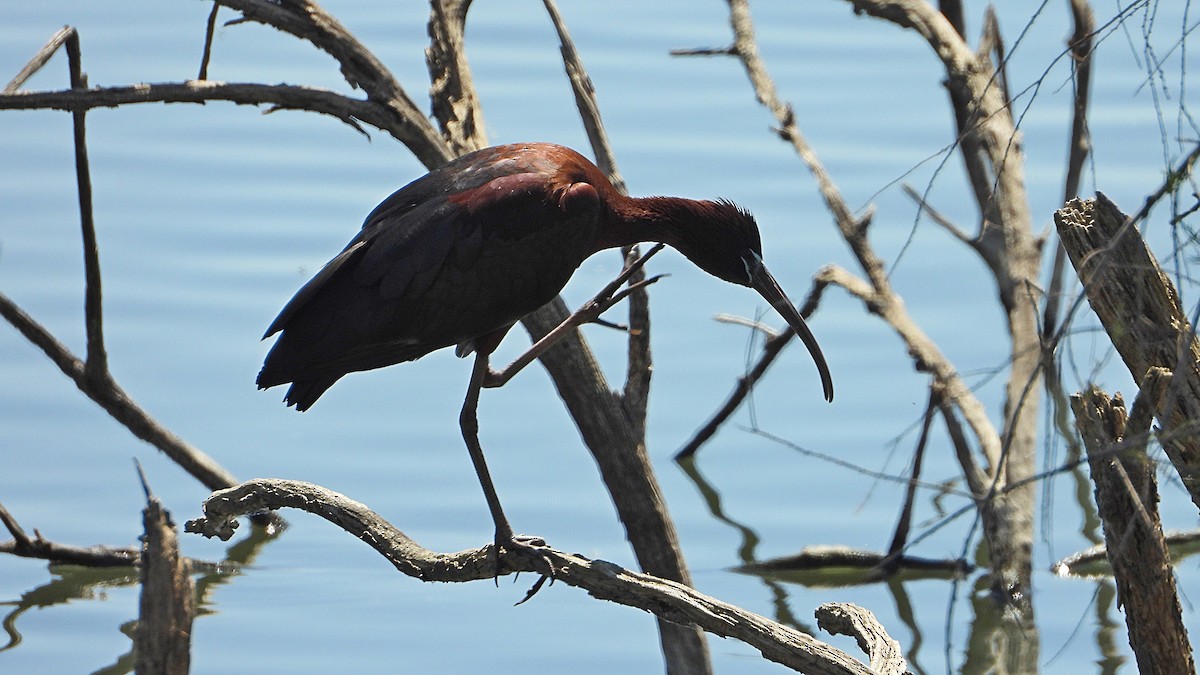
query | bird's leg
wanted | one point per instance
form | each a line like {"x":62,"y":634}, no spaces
{"x":468,"y":420}
{"x":589,"y":312}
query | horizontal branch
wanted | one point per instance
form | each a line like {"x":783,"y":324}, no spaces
{"x":666,"y":599}
{"x":278,"y":96}
{"x":24,"y":546}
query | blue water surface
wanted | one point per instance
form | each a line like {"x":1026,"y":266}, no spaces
{"x":210,"y":217}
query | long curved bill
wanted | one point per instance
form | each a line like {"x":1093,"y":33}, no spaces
{"x":762,"y":281}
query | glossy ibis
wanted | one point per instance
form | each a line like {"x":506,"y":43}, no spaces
{"x":461,"y":254}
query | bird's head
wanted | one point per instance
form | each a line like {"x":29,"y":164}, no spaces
{"x":722,"y":239}
{"x":719,"y":237}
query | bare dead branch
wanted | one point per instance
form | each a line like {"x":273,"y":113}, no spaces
{"x":96,"y":367}
{"x":585,"y":99}
{"x":39,"y":59}
{"x":37,"y":547}
{"x":1139,"y":307}
{"x":452,"y":90}
{"x":109,"y":395}
{"x":838,"y":618}
{"x":976,"y":479}
{"x":613,"y":429}
{"x":927,"y":357}
{"x":772,"y":348}
{"x":904,"y":520}
{"x":669,"y":600}
{"x":278,"y":96}
{"x":1127,"y":497}
{"x":591,"y":310}
{"x":745,"y":48}
{"x":990,"y":143}
{"x":635,"y":393}
{"x":309,"y":21}
{"x":937,"y":217}
{"x":734,"y":320}
{"x":1080,"y":44}
{"x":210,"y":29}
{"x":163,"y":638}
{"x":14,"y":528}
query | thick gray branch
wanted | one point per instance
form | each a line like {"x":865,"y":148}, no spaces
{"x":669,"y":600}
{"x":1140,"y":309}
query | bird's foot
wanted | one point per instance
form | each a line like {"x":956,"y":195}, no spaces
{"x":533,"y":550}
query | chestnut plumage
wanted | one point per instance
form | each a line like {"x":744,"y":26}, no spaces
{"x":461,"y":254}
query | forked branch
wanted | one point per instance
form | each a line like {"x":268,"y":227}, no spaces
{"x":92,"y":375}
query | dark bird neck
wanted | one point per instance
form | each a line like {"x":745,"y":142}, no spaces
{"x":668,"y":220}
{"x":717,"y":236}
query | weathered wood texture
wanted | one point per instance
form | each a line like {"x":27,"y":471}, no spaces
{"x":668,"y":600}
{"x":163,"y":640}
{"x":1140,"y":309}
{"x":1127,"y":499}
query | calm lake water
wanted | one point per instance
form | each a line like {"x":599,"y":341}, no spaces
{"x":210,"y":217}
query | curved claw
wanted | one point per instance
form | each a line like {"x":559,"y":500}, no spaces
{"x":537,"y":586}
{"x":530,"y":548}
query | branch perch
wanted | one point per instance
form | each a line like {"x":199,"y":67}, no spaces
{"x":668,"y":600}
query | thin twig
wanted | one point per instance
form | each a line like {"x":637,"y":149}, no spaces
{"x":1080,"y":44}
{"x":937,"y":217}
{"x":591,"y":310}
{"x":744,"y":385}
{"x":904,"y":521}
{"x":210,"y":29}
{"x":96,"y":366}
{"x":734,"y":320}
{"x":39,"y":59}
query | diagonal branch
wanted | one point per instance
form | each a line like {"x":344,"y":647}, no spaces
{"x":876,"y":292}
{"x":109,"y":395}
{"x":929,"y":359}
{"x":635,"y":394}
{"x":745,"y":384}
{"x":92,"y":376}
{"x":309,"y":21}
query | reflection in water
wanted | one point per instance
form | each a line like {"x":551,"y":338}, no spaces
{"x":74,"y":582}
{"x":749,"y":539}
{"x":998,"y":640}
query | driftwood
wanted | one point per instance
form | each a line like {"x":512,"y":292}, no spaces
{"x":168,"y":604}
{"x":1140,"y":309}
{"x":1127,"y":497}
{"x":669,"y":600}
